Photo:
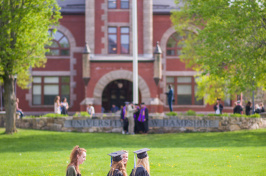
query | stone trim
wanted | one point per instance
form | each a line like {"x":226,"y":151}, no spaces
{"x":90,"y":24}
{"x":120,"y":74}
{"x":104,"y":28}
{"x":147,"y":27}
{"x":50,"y":73}
{"x":180,"y":73}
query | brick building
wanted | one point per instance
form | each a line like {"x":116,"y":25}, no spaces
{"x":101,"y":71}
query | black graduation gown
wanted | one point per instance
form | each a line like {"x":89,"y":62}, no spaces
{"x":141,"y":171}
{"x":116,"y":173}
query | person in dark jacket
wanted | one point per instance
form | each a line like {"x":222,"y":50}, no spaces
{"x":170,"y":97}
{"x":248,"y":108}
{"x":262,"y":108}
{"x":218,"y":107}
{"x":238,"y":108}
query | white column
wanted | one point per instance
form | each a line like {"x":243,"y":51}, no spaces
{"x":135,"y":51}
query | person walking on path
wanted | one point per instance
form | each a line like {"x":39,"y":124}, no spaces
{"x":218,"y":107}
{"x":77,"y":157}
{"x":130,"y":115}
{"x":170,"y":97}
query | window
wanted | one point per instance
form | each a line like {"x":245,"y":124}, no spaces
{"x":118,"y":40}
{"x":112,"y":4}
{"x":124,"y":40}
{"x":112,"y":40}
{"x":45,"y":89}
{"x":175,"y":43}
{"x":184,"y":90}
{"x":124,"y":4}
{"x":59,"y":46}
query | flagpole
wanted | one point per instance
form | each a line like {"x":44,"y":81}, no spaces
{"x":135,"y":51}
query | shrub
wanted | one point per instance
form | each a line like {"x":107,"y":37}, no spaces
{"x":214,"y":114}
{"x":81,"y":114}
{"x":254,"y":116}
{"x":171,"y":113}
{"x":191,"y":113}
{"x":52,"y":115}
{"x":200,"y":115}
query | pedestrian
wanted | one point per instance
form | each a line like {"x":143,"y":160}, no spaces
{"x":262,"y":108}
{"x":257,"y":109}
{"x":90,"y":110}
{"x":170,"y":97}
{"x":64,"y":106}
{"x":57,"y":105}
{"x":238,"y":108}
{"x":248,"y":108}
{"x":77,"y":157}
{"x":143,"y":167}
{"x":21,"y":114}
{"x":124,"y":119}
{"x":130,"y":115}
{"x":117,"y":165}
{"x":143,"y":119}
{"x":136,"y":115}
{"x":218,"y":107}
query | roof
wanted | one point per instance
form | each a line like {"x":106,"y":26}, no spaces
{"x":78,"y":6}
{"x":72,"y":6}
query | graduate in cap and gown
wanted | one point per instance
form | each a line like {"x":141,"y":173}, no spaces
{"x":124,"y":119}
{"x":143,"y":119}
{"x":136,"y":115}
{"x":117,"y":165}
{"x":143,"y":166}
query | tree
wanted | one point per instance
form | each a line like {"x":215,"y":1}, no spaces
{"x":23,"y":35}
{"x":228,"y":45}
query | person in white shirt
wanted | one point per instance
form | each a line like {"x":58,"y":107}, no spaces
{"x":90,"y":110}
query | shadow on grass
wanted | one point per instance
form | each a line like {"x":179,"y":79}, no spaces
{"x":34,"y":140}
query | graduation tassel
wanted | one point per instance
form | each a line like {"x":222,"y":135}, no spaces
{"x":111,"y":162}
{"x":134,"y":160}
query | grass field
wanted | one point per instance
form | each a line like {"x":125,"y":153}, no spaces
{"x":34,"y":153}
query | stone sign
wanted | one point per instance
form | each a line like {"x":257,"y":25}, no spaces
{"x":152,"y":123}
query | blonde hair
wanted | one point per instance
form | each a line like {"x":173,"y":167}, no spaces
{"x":143,"y":162}
{"x":118,"y":165}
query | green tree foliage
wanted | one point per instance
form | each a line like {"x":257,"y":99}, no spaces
{"x":228,"y":45}
{"x":24,"y":26}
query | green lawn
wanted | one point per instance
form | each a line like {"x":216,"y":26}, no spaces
{"x":33,"y":152}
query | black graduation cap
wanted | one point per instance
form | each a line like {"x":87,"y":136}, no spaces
{"x":142,"y":153}
{"x":116,"y":156}
{"x":143,"y":103}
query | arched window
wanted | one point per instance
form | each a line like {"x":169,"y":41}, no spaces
{"x":174,"y":45}
{"x":60,"y":44}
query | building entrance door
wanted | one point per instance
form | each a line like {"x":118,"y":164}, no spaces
{"x":117,"y":92}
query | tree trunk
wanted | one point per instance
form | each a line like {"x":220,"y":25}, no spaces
{"x":10,"y":104}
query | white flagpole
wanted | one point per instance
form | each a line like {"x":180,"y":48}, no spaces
{"x":135,"y":51}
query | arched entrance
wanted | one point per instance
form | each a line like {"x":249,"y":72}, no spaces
{"x":117,"y":92}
